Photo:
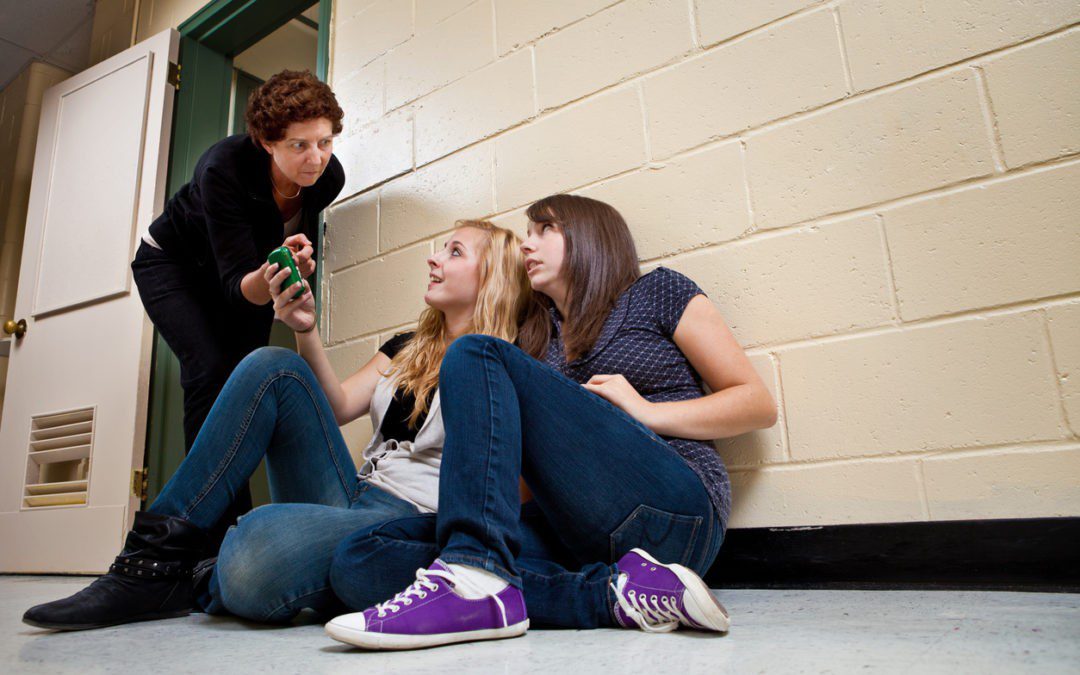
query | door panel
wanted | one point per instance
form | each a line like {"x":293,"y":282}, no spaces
{"x":74,"y":419}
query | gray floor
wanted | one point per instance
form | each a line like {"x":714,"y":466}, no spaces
{"x":773,"y":631}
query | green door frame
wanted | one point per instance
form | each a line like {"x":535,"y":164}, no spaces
{"x":208,"y":41}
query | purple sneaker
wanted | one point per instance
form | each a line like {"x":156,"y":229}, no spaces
{"x":657,"y":597}
{"x":430,"y":613}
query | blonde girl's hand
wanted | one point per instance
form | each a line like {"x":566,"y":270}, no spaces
{"x":296,"y":313}
{"x":615,"y":389}
{"x":302,"y":252}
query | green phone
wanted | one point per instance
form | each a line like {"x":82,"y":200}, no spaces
{"x":283,"y":257}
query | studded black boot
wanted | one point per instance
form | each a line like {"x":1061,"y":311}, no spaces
{"x":150,"y":579}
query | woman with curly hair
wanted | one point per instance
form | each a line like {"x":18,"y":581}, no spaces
{"x":200,"y":268}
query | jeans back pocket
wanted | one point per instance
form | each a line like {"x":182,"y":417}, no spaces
{"x":668,"y":537}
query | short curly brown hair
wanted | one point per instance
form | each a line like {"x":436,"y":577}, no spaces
{"x":287,"y":97}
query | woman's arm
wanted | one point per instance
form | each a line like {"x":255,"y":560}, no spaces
{"x":739,"y":402}
{"x":349,"y":399}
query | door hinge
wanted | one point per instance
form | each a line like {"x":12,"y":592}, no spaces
{"x":140,"y":480}
{"x":174,"y":74}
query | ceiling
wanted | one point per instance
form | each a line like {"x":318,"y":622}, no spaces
{"x":54,"y":31}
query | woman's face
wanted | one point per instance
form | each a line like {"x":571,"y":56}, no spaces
{"x":545,"y":248}
{"x":302,"y":155}
{"x":454,"y":272}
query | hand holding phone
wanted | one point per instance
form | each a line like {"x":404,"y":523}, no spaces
{"x":282,"y":257}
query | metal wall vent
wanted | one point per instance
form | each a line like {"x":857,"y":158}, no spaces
{"x":58,"y":461}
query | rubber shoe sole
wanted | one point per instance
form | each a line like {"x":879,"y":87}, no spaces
{"x":90,"y":626}
{"x":386,"y":641}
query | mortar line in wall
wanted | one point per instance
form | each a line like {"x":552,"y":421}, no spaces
{"x":848,"y":80}
{"x":494,"y":183}
{"x":758,"y":234}
{"x":378,"y":219}
{"x":795,"y":116}
{"x":997,"y":150}
{"x":785,"y":433}
{"x":916,"y":455}
{"x":769,"y":125}
{"x":644,"y":122}
{"x":874,"y":208}
{"x":532,"y":42}
{"x":744,"y":153}
{"x":385,"y":74}
{"x":695,"y":30}
{"x":431,"y":240}
{"x":498,"y":57}
{"x":494,"y":32}
{"x":890,"y":274}
{"x":1012,"y":309}
{"x":1054,"y":373}
{"x":920,"y":481}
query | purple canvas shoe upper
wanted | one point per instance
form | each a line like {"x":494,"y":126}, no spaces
{"x":431,"y":606}
{"x":653,"y":593}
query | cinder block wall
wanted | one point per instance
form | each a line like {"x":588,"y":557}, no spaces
{"x":880,"y":196}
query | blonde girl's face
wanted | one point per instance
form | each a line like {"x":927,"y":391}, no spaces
{"x":454,"y":272}
{"x":305,"y":150}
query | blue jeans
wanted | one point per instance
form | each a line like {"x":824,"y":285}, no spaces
{"x":276,"y":561}
{"x":602,"y":482}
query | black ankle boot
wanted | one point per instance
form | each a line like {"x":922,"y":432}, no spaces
{"x":150,"y":579}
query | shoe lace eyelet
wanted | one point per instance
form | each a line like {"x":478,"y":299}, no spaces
{"x":407,"y":602}
{"x":422,"y":595}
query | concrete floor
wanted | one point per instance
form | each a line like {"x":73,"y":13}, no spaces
{"x":772,"y":631}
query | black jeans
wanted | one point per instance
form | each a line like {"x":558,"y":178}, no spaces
{"x":209,"y":336}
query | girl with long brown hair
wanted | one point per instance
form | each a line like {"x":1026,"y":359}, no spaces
{"x":603,"y":413}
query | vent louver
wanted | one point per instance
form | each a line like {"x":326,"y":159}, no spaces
{"x":58,"y":461}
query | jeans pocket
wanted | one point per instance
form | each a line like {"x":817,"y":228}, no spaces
{"x":668,"y":537}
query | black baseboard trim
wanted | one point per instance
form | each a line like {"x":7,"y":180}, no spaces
{"x":1037,"y":554}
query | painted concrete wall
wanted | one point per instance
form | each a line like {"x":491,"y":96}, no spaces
{"x":880,"y":196}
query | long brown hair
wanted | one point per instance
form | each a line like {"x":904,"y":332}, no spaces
{"x":500,"y":306}
{"x":600,"y":262}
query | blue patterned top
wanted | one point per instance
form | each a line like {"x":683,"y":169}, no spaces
{"x":636,"y":342}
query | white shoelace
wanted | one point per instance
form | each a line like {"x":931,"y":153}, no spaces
{"x":423,"y":584}
{"x":653,"y":614}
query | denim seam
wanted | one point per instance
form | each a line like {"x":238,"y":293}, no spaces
{"x":241,"y":434}
{"x":482,"y":563}
{"x":487,"y":508}
{"x":287,"y":603}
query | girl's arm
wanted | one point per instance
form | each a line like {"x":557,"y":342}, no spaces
{"x":739,"y":402}
{"x":349,"y":399}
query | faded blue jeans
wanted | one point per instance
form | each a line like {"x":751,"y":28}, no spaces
{"x":276,"y":561}
{"x":603,"y":484}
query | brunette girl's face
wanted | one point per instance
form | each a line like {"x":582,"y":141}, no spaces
{"x":545,"y":249}
{"x":305,"y":150}
{"x":454,"y":272}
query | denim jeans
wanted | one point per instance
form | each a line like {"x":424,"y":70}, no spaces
{"x":277,"y":560}
{"x":602,"y":482}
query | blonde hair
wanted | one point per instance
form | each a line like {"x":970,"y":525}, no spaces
{"x":500,"y":307}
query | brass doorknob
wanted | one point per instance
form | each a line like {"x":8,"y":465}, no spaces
{"x":16,"y":328}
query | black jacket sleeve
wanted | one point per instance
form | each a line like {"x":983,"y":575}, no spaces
{"x":229,"y":230}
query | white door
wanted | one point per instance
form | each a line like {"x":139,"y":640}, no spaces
{"x":74,"y":419}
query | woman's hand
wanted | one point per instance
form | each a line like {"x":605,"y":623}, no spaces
{"x":618,"y":391}
{"x":298,"y":314}
{"x":302,"y":251}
